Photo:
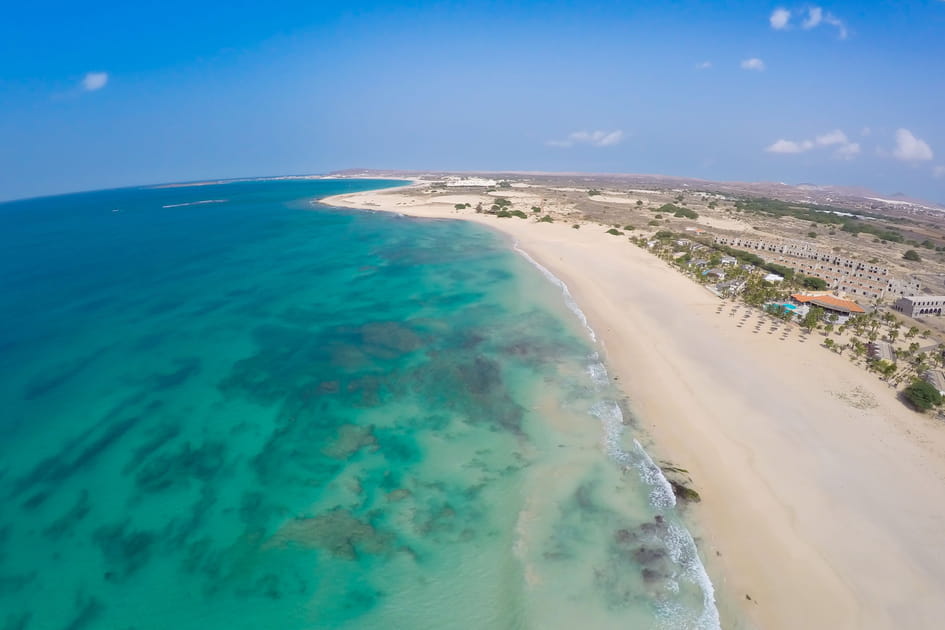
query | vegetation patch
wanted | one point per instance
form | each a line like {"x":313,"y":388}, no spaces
{"x":922,"y":396}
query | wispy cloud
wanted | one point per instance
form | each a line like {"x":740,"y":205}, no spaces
{"x":704,"y":65}
{"x":832,"y":137}
{"x":753,"y":64}
{"x":911,"y":149}
{"x":817,"y":16}
{"x":848,"y":151}
{"x":780,"y":19}
{"x":939,"y":171}
{"x":94,"y":81}
{"x":592,"y":138}
{"x":844,"y":148}
{"x":790,"y":146}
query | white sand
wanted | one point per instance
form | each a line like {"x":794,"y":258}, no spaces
{"x":823,"y":496}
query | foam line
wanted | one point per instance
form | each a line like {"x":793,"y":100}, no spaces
{"x":679,"y":542}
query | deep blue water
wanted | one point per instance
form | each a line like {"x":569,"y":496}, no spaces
{"x":226,"y":406}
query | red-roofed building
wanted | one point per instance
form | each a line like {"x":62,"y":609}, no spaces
{"x":831,"y":304}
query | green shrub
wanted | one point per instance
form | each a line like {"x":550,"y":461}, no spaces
{"x":629,"y":228}
{"x":546,"y":219}
{"x":912,"y":255}
{"x":812,"y":234}
{"x":615,"y":232}
{"x":519,"y":214}
{"x":818,"y":284}
{"x":576,"y":226}
{"x":653,"y":223}
{"x":460,"y":206}
{"x":922,"y":396}
{"x":536,"y":209}
{"x":686,"y":213}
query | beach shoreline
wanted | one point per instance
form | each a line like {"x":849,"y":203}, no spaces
{"x":823,"y":496}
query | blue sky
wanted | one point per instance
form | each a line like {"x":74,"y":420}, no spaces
{"x":124,"y":93}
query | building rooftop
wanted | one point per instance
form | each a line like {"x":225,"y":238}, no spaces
{"x":831,"y":302}
{"x":882,"y":350}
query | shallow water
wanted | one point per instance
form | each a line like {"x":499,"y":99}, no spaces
{"x":257,"y":412}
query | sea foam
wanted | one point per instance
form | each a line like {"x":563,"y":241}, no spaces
{"x":678,"y":540}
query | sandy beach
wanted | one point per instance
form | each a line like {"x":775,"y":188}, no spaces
{"x":823,"y":495}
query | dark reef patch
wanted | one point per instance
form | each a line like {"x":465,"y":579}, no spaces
{"x":88,"y":609}
{"x":74,"y":515}
{"x":184,"y":370}
{"x":201,"y":463}
{"x":338,"y":531}
{"x":125,"y":551}
{"x":84,"y":449}
{"x":53,"y":378}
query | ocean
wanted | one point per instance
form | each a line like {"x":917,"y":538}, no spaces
{"x":226,"y":406}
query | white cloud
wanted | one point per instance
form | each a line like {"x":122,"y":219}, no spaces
{"x":836,"y":22}
{"x":845,"y":149}
{"x":753,"y":64}
{"x":848,"y":151}
{"x":94,"y":81}
{"x":832,"y":137}
{"x":815,"y":16}
{"x":790,"y":146}
{"x":593,"y":138}
{"x":705,"y":65}
{"x":780,"y":19}
{"x":939,"y":171}
{"x":911,"y":149}
{"x":865,"y":131}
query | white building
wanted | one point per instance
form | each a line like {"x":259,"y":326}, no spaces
{"x":918,"y":305}
{"x":470,"y":181}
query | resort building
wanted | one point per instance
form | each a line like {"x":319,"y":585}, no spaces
{"x":731,"y":287}
{"x":773,"y":278}
{"x":840,"y":309}
{"x":728,"y":260}
{"x":918,"y":305}
{"x":858,"y":278}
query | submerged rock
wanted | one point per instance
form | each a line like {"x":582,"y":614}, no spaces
{"x":338,"y":532}
{"x":684,"y":493}
{"x":398,"y":495}
{"x":351,"y":438}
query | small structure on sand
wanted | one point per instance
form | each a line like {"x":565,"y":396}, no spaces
{"x":881,"y":350}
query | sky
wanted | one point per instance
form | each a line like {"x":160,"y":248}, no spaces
{"x":109,"y":94}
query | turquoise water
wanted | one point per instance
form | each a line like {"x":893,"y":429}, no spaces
{"x":228,"y":407}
